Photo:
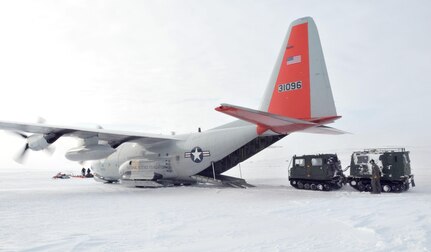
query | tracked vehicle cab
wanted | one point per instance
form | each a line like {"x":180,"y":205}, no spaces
{"x":394,"y":164}
{"x":316,"y":172}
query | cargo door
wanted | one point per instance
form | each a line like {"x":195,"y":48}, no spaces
{"x":407,"y":168}
{"x":387,"y":163}
{"x":397,"y":166}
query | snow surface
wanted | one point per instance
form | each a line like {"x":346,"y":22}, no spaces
{"x":38,"y":213}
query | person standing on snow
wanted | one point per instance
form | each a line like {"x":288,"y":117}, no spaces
{"x":83,"y":171}
{"x":375,"y":178}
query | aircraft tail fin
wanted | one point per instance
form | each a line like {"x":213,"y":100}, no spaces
{"x":299,"y":85}
{"x":298,"y":89}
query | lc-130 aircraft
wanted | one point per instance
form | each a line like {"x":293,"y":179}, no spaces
{"x":298,"y":97}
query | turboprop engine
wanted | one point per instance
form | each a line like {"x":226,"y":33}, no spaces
{"x":37,"y":142}
{"x":91,"y":152}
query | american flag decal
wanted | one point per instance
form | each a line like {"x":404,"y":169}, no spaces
{"x":293,"y":59}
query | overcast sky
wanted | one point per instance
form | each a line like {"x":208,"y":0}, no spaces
{"x":162,"y":66}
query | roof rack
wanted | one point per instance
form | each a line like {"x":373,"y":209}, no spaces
{"x":385,"y":150}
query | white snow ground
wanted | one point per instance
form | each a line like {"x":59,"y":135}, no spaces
{"x":38,"y":213}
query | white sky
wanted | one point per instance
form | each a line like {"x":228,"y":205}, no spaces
{"x":162,"y":66}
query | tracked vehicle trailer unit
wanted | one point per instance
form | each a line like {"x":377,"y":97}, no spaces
{"x":394,"y":165}
{"x":321,"y":172}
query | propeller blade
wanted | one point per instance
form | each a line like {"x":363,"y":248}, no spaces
{"x":21,"y":156}
{"x":19,"y":134}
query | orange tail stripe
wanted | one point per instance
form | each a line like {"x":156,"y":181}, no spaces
{"x":294,"y":68}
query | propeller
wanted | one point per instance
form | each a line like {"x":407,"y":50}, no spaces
{"x":19,"y":134}
{"x":20,"y":157}
{"x":39,"y":141}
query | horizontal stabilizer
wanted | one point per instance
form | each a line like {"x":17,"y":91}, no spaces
{"x":277,"y":123}
{"x":325,"y":130}
{"x":265,"y":120}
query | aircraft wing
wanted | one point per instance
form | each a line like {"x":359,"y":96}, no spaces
{"x":113,"y":138}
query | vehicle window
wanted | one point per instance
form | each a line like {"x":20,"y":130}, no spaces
{"x":300,"y":162}
{"x":316,"y":162}
{"x":362,"y":159}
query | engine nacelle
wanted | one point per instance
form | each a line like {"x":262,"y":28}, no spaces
{"x":92,"y":152}
{"x":37,"y":142}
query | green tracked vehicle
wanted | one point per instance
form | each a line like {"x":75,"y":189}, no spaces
{"x":394,"y":165}
{"x":321,"y":172}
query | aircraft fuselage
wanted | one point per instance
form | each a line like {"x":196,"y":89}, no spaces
{"x":177,"y":159}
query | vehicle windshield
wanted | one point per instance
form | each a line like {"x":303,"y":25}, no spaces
{"x":362,"y":159}
{"x":300,"y":162}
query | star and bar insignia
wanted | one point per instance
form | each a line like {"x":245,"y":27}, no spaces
{"x":197,"y":154}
